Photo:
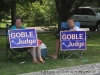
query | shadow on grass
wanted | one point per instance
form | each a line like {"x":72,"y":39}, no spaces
{"x":13,"y":67}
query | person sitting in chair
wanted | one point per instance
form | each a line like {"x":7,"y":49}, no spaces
{"x":18,"y":25}
{"x":57,"y":44}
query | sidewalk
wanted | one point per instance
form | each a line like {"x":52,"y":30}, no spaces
{"x":89,"y":69}
{"x":38,"y":29}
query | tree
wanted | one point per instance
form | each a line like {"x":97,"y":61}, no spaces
{"x":10,"y":5}
{"x":39,"y":15}
{"x":90,"y":3}
{"x":98,"y":1}
{"x":4,"y":8}
{"x":66,"y":8}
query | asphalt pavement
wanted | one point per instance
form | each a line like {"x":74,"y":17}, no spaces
{"x":89,"y":69}
{"x":38,"y":29}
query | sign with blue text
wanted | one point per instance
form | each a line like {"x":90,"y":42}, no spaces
{"x":20,"y":38}
{"x":73,"y":40}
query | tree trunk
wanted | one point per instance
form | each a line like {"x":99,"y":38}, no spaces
{"x":13,"y":11}
{"x":98,"y":1}
{"x":90,"y":1}
{"x":41,"y":2}
{"x":63,"y":8}
{"x":57,"y":3}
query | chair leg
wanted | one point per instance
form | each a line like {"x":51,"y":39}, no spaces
{"x":81,"y":54}
{"x":63,"y":54}
{"x":14,"y":54}
{"x":69,"y":55}
{"x":21,"y":55}
{"x":28,"y":53}
{"x":75,"y":53}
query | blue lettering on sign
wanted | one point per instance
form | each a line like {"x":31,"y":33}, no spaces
{"x":73,"y":40}
{"x":23,"y":38}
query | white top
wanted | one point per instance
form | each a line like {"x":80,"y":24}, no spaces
{"x":43,"y":46}
{"x":75,"y":29}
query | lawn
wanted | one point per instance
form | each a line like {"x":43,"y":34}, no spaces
{"x":13,"y":67}
{"x":3,"y":24}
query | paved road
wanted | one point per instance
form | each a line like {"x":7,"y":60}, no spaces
{"x":89,"y":69}
{"x":39,"y":30}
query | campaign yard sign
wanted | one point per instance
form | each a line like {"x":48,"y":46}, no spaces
{"x":20,"y":38}
{"x":73,"y":40}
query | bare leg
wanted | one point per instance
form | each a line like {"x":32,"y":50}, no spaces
{"x":57,"y":44}
{"x":39,"y":54}
{"x":33,"y":53}
{"x":57,"y":47}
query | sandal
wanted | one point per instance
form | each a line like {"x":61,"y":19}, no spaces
{"x":35,"y":62}
{"x":41,"y":60}
{"x":53,"y":56}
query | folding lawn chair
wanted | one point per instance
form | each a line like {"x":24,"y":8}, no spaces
{"x":64,"y":26}
{"x":15,"y":52}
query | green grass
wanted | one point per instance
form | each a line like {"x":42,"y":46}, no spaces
{"x":12,"y":67}
{"x":3,"y":24}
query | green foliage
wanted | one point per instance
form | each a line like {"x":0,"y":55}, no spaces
{"x":90,"y":3}
{"x":6,"y":5}
{"x":39,"y":12}
{"x":38,"y":15}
